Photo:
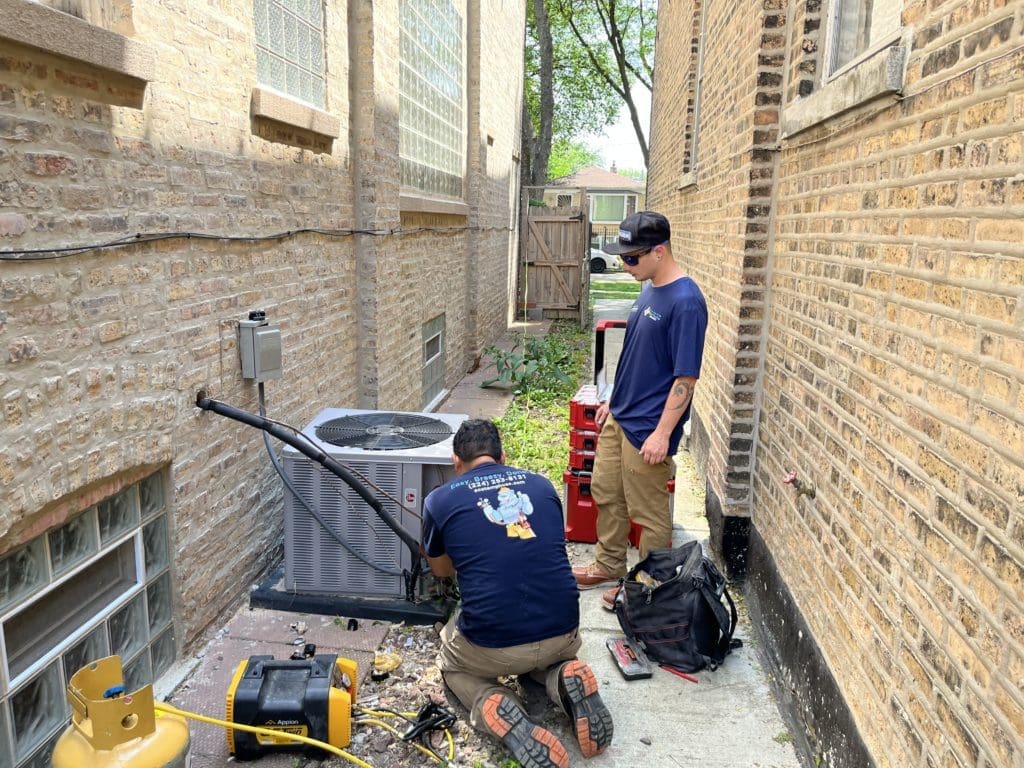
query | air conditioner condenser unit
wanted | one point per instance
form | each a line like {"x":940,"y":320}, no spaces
{"x":400,"y":457}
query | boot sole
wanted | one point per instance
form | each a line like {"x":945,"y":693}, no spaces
{"x":591,"y":719}
{"x":531,"y":745}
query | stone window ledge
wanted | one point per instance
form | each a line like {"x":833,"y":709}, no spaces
{"x":282,"y":108}
{"x":879,"y":75}
{"x":411,"y":202}
{"x":37,"y":26}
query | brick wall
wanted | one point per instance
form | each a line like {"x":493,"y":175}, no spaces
{"x":102,"y":351}
{"x":893,"y":363}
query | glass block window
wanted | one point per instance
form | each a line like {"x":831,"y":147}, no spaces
{"x":431,"y":111}
{"x":433,"y":359}
{"x":96,"y":585}
{"x":857,"y":26}
{"x":290,"y":47}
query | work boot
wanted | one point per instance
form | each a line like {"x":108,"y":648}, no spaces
{"x":608,"y":598}
{"x":591,"y":720}
{"x":531,"y":745}
{"x":591,"y":575}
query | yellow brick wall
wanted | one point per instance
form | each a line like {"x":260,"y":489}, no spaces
{"x":102,"y":352}
{"x":891,"y":326}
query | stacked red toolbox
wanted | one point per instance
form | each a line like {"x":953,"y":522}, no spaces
{"x":580,"y":510}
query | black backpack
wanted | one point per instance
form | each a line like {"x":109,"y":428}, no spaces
{"x":681,"y":621}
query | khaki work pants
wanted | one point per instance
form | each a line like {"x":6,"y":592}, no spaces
{"x":472,"y":671}
{"x":626,"y":488}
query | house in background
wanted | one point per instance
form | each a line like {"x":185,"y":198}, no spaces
{"x":612,"y":198}
{"x":166,"y":168}
{"x":844,"y":180}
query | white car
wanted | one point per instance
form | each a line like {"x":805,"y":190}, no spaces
{"x":601,"y":261}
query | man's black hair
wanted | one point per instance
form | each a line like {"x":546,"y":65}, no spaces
{"x":476,"y":438}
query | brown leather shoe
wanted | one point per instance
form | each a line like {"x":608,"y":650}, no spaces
{"x":590,"y":576}
{"x":608,"y":598}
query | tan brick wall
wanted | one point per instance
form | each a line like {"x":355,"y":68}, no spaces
{"x":893,"y":372}
{"x":102,"y":352}
{"x":720,"y":224}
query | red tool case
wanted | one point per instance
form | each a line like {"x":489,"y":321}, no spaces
{"x":580,"y":510}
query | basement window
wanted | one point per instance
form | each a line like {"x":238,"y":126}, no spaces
{"x":433,"y":360}
{"x":97,"y":585}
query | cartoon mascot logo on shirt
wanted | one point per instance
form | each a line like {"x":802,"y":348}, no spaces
{"x":512,"y":511}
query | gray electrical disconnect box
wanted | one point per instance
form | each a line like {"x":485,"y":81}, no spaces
{"x":259,"y":345}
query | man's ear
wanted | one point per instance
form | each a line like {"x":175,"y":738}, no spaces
{"x":502,"y":459}
{"x":457,"y":464}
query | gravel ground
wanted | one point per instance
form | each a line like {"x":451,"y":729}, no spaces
{"x":413,"y":684}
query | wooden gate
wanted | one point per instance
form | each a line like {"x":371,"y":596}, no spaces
{"x":554,"y":279}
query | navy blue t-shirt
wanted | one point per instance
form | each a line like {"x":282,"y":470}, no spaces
{"x":502,"y":528}
{"x":664,"y":340}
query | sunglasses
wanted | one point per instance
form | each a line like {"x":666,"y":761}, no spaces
{"x":632,"y":259}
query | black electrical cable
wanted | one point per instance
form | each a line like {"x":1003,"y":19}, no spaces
{"x":276,"y":462}
{"x":314,"y":453}
{"x":42,"y":254}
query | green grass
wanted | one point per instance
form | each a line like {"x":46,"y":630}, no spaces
{"x":611,"y":289}
{"x":535,"y":427}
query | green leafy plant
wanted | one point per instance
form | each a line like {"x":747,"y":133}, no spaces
{"x":539,"y":364}
{"x":535,"y":426}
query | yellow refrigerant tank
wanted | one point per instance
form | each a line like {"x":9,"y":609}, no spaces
{"x":114,"y":729}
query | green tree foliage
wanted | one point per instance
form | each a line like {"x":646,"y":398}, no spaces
{"x":616,"y":40}
{"x":637,"y":174}
{"x":568,"y":156}
{"x":563,"y":97}
{"x":584,"y":58}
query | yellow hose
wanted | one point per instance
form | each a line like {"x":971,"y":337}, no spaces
{"x":420,"y":747}
{"x":162,"y":707}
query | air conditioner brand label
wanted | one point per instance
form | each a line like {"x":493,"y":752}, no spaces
{"x":412,"y":496}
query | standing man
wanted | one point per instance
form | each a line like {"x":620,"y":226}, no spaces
{"x":500,"y":531}
{"x":654,"y":380}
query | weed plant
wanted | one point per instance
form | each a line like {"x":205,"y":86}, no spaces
{"x":544,"y":377}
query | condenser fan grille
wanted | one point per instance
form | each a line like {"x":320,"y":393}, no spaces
{"x":383,"y":431}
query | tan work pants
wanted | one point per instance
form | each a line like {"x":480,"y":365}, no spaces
{"x":626,"y":488}
{"x":472,"y":671}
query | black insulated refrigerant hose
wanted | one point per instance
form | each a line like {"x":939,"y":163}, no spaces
{"x":311,"y":452}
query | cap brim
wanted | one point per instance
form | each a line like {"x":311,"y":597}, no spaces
{"x":619,"y":249}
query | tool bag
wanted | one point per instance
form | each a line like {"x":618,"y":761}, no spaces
{"x":671,"y":604}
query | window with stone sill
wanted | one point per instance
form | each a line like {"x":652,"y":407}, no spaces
{"x":431,"y":96}
{"x":856,"y":27}
{"x":290,"y":48}
{"x":99,"y":584}
{"x":112,"y":15}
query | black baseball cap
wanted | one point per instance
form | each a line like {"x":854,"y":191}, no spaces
{"x":643,"y":229}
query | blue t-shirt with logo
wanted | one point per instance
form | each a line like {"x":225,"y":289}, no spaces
{"x":502,"y":528}
{"x":664,"y":340}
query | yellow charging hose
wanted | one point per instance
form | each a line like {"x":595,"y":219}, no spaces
{"x":163,"y":707}
{"x":374,"y":719}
